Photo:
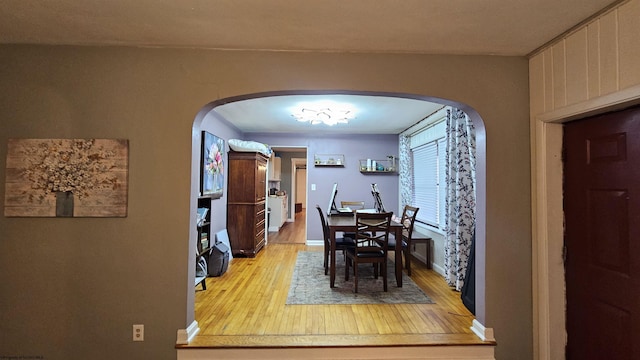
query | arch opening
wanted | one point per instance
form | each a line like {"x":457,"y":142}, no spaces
{"x":207,"y":118}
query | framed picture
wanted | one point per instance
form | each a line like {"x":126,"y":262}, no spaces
{"x":67,"y":178}
{"x":212,"y":170}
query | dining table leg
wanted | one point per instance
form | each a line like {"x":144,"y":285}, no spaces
{"x":398,"y":255}
{"x":332,"y":256}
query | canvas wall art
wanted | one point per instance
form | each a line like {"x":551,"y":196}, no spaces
{"x":67,"y":178}
{"x":212,"y":169}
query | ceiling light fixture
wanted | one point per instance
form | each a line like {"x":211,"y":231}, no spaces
{"x":324,"y":113}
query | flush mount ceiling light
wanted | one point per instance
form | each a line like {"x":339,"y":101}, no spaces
{"x":323,"y":112}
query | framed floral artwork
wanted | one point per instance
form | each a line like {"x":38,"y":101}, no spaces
{"x":212,"y":170}
{"x":67,"y":178}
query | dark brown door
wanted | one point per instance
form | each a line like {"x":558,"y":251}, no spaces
{"x":602,"y":236}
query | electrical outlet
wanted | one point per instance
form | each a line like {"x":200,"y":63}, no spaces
{"x":138,"y":332}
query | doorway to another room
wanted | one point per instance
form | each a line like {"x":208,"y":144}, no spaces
{"x":290,"y":188}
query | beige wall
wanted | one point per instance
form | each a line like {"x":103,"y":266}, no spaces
{"x":592,"y":70}
{"x":72,"y":288}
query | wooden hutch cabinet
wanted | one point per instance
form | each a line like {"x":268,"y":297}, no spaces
{"x":246,"y":204}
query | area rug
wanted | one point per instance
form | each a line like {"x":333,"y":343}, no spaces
{"x":310,"y":286}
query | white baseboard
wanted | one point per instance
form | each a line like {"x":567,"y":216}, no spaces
{"x":423,"y":259}
{"x":486,"y":334}
{"x":437,"y":268}
{"x":185,"y":335}
{"x":314,"y":242}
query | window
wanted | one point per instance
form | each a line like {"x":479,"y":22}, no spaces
{"x":428,"y":155}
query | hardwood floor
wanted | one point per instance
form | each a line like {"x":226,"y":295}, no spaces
{"x":291,"y":232}
{"x":246,"y":308}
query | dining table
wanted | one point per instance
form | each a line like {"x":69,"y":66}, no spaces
{"x":341,"y":223}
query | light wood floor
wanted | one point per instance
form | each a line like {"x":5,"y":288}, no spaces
{"x":291,"y":232}
{"x":246,"y":307}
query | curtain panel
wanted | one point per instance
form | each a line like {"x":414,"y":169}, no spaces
{"x":405,"y":167}
{"x":460,"y":198}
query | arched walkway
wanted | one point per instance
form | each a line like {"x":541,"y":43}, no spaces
{"x":225,"y":130}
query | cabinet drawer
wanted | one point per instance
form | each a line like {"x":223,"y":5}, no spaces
{"x":259,"y":237}
{"x":260,"y":215}
{"x":260,"y":227}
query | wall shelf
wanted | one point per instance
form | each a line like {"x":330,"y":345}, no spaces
{"x":328,"y":160}
{"x":377,"y":172}
{"x":375,"y":166}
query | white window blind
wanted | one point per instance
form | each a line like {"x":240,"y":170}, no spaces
{"x":428,"y":180}
{"x":429,"y":177}
{"x":425,"y":180}
{"x":442,"y":150}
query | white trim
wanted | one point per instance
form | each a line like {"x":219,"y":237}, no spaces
{"x":185,"y":335}
{"x":314,"y":242}
{"x":484,"y":333}
{"x":294,"y":185}
{"x":609,"y":102}
{"x":435,"y":131}
{"x":426,"y":122}
{"x":423,"y":228}
{"x":437,"y":268}
{"x":547,"y":231}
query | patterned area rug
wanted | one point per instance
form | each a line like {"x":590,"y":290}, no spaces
{"x":309,"y":285}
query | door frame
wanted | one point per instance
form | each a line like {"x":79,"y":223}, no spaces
{"x":294,"y":184}
{"x":548,"y":281}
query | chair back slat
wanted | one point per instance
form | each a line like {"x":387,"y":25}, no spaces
{"x":372,"y":231}
{"x":353,"y":205}
{"x":408,"y":220}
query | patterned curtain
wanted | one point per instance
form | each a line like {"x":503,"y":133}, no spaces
{"x":460,"y":198}
{"x":405,"y":168}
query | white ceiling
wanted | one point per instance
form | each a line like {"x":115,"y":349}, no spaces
{"x":484,"y":27}
{"x":373,"y":114}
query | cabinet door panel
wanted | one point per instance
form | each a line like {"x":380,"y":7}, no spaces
{"x":261,"y":181}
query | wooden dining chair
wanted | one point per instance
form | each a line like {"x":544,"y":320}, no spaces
{"x":355,"y":206}
{"x":407,"y":220}
{"x":372,"y":237}
{"x":342,"y":243}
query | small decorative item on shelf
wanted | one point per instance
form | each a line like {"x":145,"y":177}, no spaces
{"x":201,"y":217}
{"x":392,"y":159}
{"x":204,"y":241}
{"x":378,"y":166}
{"x":336,"y":160}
